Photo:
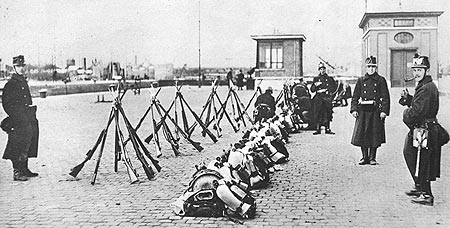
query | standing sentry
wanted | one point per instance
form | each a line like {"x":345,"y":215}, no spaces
{"x":21,"y":124}
{"x":370,"y":106}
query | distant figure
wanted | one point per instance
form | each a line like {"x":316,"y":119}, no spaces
{"x":322,"y":103}
{"x":54,"y":76}
{"x":344,"y":91}
{"x":251,"y":71}
{"x":230,"y":77}
{"x":302,"y":101}
{"x":240,"y":80}
{"x":183,"y":71}
{"x":21,"y":124}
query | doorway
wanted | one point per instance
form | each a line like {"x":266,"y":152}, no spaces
{"x":399,"y":68}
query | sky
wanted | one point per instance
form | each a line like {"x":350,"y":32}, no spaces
{"x":168,"y":31}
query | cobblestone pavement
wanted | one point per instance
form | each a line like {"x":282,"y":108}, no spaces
{"x":322,"y":185}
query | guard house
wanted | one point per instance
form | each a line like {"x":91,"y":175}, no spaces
{"x":278,"y":57}
{"x":394,"y":38}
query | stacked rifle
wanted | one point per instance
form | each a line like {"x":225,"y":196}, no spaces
{"x":172,"y":122}
{"x":214,"y":114}
{"x":164,"y":116}
{"x":120,"y":151}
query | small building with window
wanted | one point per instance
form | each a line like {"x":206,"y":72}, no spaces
{"x":394,"y":38}
{"x":278,"y":57}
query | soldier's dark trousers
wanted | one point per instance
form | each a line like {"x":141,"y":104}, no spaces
{"x":326,"y":125}
{"x":20,"y":166}
{"x":410,"y":155}
{"x":365,"y":156}
{"x":373,"y":153}
{"x":426,"y":187}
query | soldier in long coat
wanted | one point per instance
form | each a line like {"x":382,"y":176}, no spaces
{"x":322,"y":103}
{"x":23,"y":130}
{"x":421,"y":113}
{"x":370,"y":105}
{"x":240,"y":80}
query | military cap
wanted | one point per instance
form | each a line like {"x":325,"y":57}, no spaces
{"x":420,"y":61}
{"x":19,"y":60}
{"x":371,"y":61}
{"x":321,"y":65}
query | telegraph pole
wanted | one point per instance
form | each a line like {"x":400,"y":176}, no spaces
{"x":199,"y":53}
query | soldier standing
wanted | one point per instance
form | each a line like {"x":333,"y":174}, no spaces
{"x":240,"y":80}
{"x":230,"y":77}
{"x":23,"y":130}
{"x":370,"y":105}
{"x":421,"y":114}
{"x":324,"y":86}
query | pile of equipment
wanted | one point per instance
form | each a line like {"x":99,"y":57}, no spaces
{"x":222,"y":186}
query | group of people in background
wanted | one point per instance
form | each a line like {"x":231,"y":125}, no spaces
{"x":238,"y":79}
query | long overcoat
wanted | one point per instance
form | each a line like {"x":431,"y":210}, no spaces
{"x":240,"y":80}
{"x":369,"y":130}
{"x":17,"y":103}
{"x":322,"y":102}
{"x":423,"y":108}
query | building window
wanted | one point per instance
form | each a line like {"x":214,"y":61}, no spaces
{"x":271,"y":55}
{"x":403,"y":22}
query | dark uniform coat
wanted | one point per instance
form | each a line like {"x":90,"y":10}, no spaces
{"x":423,"y":107}
{"x":229,"y":77}
{"x":17,"y":103}
{"x":369,"y":130}
{"x":240,"y":80}
{"x":322,"y":102}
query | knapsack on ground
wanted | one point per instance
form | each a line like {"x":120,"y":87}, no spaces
{"x":201,"y":198}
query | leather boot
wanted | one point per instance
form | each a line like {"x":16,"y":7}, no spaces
{"x":328,"y":130}
{"x":365,"y":158}
{"x":27,"y":172}
{"x":423,"y":199}
{"x":19,"y":176}
{"x":416,"y":191}
{"x":318,"y":131}
{"x":373,"y":155}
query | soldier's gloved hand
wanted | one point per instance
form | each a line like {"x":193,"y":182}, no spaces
{"x":404,"y":93}
{"x":383,"y":115}
{"x":355,"y":114}
{"x":317,"y":83}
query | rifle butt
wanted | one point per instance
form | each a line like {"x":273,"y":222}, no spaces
{"x":148,"y":139}
{"x":197,"y":146}
{"x":149,"y":172}
{"x":75,"y":170}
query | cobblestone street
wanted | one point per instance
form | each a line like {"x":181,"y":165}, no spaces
{"x":321,"y":186}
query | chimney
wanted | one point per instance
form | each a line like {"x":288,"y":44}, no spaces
{"x":84,"y":63}
{"x":135,"y":60}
